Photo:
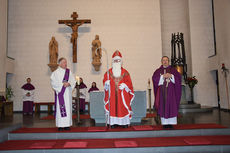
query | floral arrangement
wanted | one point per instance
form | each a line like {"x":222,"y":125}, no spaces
{"x":191,"y":81}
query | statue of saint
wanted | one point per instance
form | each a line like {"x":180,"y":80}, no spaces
{"x":96,"y":53}
{"x":96,"y":49}
{"x":53,"y":50}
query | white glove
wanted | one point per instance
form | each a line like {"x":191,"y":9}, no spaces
{"x":124,"y":86}
{"x":107,"y":85}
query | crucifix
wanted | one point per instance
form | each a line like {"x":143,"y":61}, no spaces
{"x":74,"y":24}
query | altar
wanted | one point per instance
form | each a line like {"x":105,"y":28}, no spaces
{"x":97,"y":111}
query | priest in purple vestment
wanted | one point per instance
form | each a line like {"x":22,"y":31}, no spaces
{"x":28,"y":97}
{"x":167,"y":91}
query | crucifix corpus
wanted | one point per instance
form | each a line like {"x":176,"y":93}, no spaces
{"x":74,"y":24}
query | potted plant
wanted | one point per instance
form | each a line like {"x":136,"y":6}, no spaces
{"x":191,"y":82}
{"x":9,"y":93}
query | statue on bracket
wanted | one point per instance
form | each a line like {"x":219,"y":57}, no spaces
{"x":53,"y":54}
{"x":96,"y":53}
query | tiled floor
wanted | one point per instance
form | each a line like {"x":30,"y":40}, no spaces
{"x":219,"y":117}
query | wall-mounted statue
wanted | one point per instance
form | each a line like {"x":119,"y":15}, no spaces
{"x":96,"y":53}
{"x":53,"y":54}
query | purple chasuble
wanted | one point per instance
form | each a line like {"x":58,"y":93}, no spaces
{"x":28,"y":105}
{"x":82,"y":85}
{"x":167,"y":98}
{"x":28,"y":86}
{"x":82,"y":100}
{"x":93,"y":89}
{"x":61,"y":96}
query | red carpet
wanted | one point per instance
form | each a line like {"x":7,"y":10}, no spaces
{"x":131,"y":128}
{"x":51,"y":117}
{"x":143,"y":128}
{"x":112,"y":143}
{"x":97,"y":129}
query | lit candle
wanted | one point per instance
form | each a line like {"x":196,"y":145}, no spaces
{"x":78,"y":80}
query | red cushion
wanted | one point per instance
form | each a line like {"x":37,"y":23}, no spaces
{"x":79,"y":144}
{"x":197,"y":141}
{"x":120,"y":144}
{"x":42,"y":145}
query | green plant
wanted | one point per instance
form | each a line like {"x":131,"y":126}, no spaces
{"x":9,"y":93}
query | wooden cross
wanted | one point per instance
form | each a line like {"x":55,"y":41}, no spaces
{"x":74,"y":24}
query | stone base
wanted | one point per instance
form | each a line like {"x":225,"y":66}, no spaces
{"x":188,"y":106}
{"x":192,"y":108}
{"x":96,"y":65}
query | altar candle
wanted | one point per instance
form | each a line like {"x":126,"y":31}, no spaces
{"x":78,"y":80}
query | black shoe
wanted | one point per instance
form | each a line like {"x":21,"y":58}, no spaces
{"x":81,"y":111}
{"x":67,"y":128}
{"x":170,"y":127}
{"x":60,"y":129}
{"x":125,"y":126}
{"x":166,"y":126}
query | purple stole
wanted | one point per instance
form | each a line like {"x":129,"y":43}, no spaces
{"x":61,"y":96}
{"x":161,"y":89}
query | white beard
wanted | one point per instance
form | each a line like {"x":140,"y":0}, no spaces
{"x":116,"y":69}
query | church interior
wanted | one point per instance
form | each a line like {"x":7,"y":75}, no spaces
{"x":35,"y":34}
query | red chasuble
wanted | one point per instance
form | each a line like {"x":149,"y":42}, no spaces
{"x":120,"y":100}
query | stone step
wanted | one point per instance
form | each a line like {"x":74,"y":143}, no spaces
{"x":118,"y":134}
